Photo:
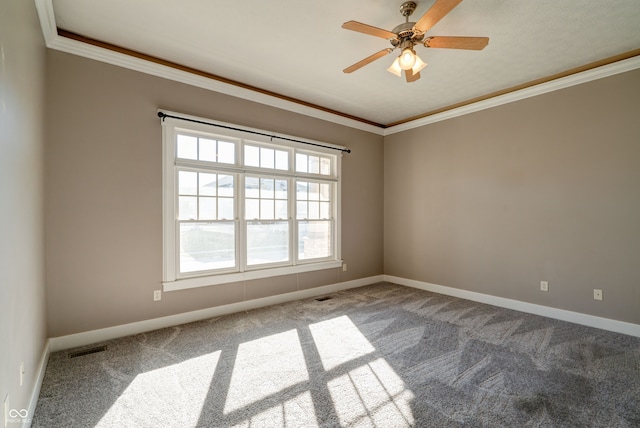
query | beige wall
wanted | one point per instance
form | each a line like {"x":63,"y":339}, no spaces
{"x":547,"y":188}
{"x":103,"y":195}
{"x":22,"y":293}
{"x":493,"y":202}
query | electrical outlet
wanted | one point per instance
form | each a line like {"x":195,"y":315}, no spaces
{"x":597,"y":294}
{"x":544,"y":285}
{"x":21,"y":373}
{"x":344,"y":267}
{"x":157,"y":295}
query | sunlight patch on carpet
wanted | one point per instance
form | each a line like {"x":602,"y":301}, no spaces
{"x":295,"y":412}
{"x":339,"y":341}
{"x":179,"y":389}
{"x":270,"y":365}
{"x":372,"y":395}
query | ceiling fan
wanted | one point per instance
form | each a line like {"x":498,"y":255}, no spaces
{"x":408,"y":34}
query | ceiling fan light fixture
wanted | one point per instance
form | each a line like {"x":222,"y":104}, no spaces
{"x":395,"y":67}
{"x":407,"y":59}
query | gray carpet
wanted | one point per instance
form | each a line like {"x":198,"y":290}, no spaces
{"x":382,"y":355}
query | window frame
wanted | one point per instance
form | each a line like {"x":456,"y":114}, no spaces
{"x":172,"y":279}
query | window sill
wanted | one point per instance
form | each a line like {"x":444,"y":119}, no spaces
{"x":205,"y":281}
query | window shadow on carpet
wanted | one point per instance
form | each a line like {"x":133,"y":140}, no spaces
{"x":382,"y":355}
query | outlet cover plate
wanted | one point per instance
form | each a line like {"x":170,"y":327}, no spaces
{"x":597,"y":294}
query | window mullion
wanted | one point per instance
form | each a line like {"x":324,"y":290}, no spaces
{"x":241,"y":222}
{"x":293,"y":239}
{"x":198,"y":195}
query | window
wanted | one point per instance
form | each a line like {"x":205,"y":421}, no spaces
{"x":238,"y":206}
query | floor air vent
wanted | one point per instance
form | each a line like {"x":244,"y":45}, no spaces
{"x":87,"y":351}
{"x":322,"y":299}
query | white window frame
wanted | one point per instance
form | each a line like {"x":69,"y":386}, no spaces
{"x":171,"y":127}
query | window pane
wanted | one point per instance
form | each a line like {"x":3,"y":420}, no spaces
{"x":314,"y":191}
{"x":314,"y":164}
{"x":301,"y":163}
{"x":266,"y":188}
{"x":207,"y":209}
{"x":301,"y":190}
{"x":281,"y":189}
{"x":282,"y":160}
{"x":187,"y":147}
{"x":314,"y":210}
{"x":252,"y":187}
{"x":267,"y":159}
{"x":207,"y":184}
{"x":187,"y":183}
{"x":251,"y":156}
{"x":282,"y":209}
{"x":325,"y":210}
{"x":207,"y":246}
{"x":188,"y":208}
{"x":314,"y":239}
{"x":267,"y":242}
{"x":225,"y":185}
{"x":252,"y":209}
{"x":325,"y":192}
{"x":301,"y":208}
{"x":207,"y":150}
{"x":226,"y":152}
{"x":266,"y":209}
{"x":325,"y":166}
{"x":225,"y":209}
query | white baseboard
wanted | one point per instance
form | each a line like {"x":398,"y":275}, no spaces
{"x":531,"y":308}
{"x":94,"y":336}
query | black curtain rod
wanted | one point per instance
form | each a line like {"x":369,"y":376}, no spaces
{"x":163,"y":115}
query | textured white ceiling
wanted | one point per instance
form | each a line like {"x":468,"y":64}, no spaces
{"x":298,"y":49}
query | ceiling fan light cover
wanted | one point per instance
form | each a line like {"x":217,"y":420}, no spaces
{"x":395,"y":67}
{"x":419,"y":65}
{"x":407,"y":59}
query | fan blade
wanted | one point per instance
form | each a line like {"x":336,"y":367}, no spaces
{"x":435,"y":13}
{"x":452,"y":42}
{"x":368,"y":29}
{"x":410,"y":76}
{"x":367,"y":60}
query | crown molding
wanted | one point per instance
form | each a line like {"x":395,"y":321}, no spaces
{"x":64,"y":44}
{"x":596,"y":73}
{"x":54,"y":41}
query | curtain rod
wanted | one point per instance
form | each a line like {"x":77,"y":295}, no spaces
{"x":163,"y":115}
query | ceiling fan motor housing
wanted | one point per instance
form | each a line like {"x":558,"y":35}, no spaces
{"x":405,"y":32}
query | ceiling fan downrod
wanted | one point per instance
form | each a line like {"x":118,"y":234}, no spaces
{"x":407,"y":8}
